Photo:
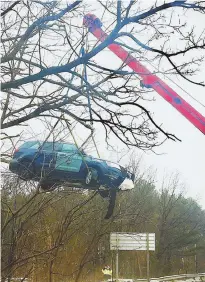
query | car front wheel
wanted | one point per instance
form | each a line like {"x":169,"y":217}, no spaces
{"x":89,"y":177}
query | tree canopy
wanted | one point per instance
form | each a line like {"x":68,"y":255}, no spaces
{"x":43,"y":67}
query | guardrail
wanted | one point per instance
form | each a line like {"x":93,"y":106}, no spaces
{"x":181,"y":277}
{"x":174,"y":278}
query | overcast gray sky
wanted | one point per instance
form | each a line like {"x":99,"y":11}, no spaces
{"x":187,"y":157}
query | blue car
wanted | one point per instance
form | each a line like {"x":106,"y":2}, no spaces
{"x":55,"y":163}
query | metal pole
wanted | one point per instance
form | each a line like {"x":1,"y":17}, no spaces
{"x":148,"y":278}
{"x":112,"y":266}
{"x":195,"y":258}
{"x":117,"y":261}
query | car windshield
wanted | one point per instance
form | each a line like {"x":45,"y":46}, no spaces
{"x":109,"y":163}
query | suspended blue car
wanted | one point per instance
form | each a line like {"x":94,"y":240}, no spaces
{"x":55,"y":163}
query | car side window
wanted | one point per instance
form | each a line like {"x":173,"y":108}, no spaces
{"x":51,"y":146}
{"x":69,"y":148}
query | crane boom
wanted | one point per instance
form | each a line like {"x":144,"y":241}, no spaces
{"x":148,"y":79}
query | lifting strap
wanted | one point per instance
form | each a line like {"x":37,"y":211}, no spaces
{"x":88,"y":92}
{"x":76,"y":144}
{"x":89,"y":102}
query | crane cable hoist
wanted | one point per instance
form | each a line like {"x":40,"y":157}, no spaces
{"x":149,"y":79}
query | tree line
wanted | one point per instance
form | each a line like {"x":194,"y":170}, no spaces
{"x":63,"y":236}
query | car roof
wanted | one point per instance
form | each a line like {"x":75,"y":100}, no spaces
{"x":46,"y":143}
{"x":40,"y":141}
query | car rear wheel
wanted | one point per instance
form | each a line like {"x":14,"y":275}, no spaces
{"x":47,"y":186}
{"x":104,"y":193}
{"x":26,"y":170}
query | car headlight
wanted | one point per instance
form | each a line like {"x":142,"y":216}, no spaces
{"x":127,"y":184}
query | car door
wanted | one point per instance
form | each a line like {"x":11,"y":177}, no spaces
{"x":69,"y":159}
{"x":46,"y":155}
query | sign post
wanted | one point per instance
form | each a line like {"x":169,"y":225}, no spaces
{"x":132,"y":242}
{"x":117,"y":265}
{"x":112,"y":266}
{"x":148,"y":257}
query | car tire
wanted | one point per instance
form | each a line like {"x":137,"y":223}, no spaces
{"x":104,"y":193}
{"x":47,"y":186}
{"x":26,"y":170}
{"x":89,"y":177}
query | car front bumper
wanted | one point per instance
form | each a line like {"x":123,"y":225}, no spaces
{"x":127,"y":184}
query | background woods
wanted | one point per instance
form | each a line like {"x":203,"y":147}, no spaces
{"x":63,"y":235}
